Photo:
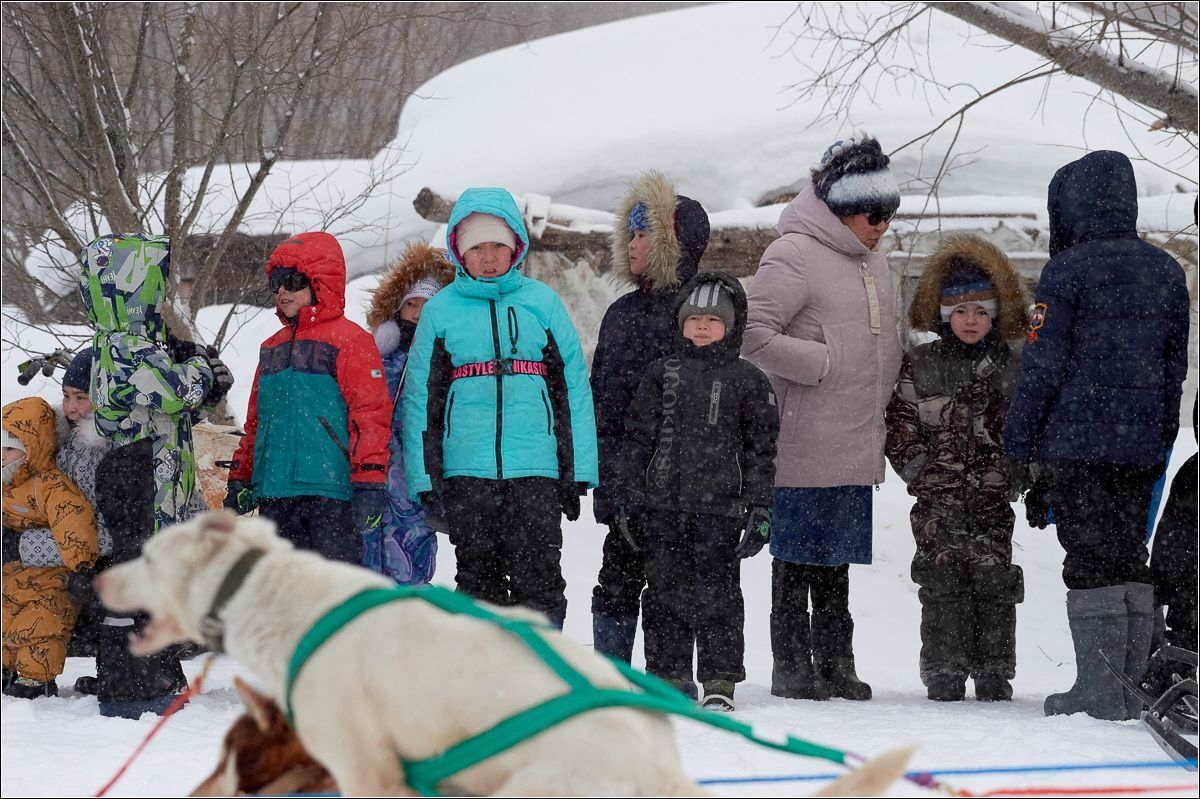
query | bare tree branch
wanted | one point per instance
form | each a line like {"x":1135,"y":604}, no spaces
{"x":1076,"y":55}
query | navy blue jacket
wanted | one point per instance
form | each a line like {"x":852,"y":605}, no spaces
{"x":1106,"y":355}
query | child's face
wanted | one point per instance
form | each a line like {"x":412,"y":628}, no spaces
{"x":703,"y":329}
{"x":410,"y":311}
{"x":12,"y":455}
{"x":488,"y":259}
{"x":639,"y":252}
{"x":970,"y":322}
{"x":76,"y":404}
{"x":289,"y":303}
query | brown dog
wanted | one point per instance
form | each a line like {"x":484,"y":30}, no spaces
{"x":262,"y":755}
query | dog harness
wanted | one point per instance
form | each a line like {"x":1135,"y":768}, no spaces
{"x":424,"y":776}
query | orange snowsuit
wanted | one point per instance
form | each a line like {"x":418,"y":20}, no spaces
{"x":38,"y":610}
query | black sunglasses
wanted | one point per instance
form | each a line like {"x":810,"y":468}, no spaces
{"x":287,"y":279}
{"x":878,"y":217}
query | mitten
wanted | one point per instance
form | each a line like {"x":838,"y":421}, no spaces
{"x":1037,"y":505}
{"x":568,"y":498}
{"x":435,"y":511}
{"x":756,"y":534}
{"x":79,"y":584}
{"x":222,"y":378}
{"x":239,"y":497}
{"x":367,"y":505}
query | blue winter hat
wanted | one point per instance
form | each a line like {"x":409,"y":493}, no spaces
{"x":639,"y":219}
{"x":78,"y":374}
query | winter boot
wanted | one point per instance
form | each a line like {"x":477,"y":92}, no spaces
{"x":996,"y":590}
{"x":946,"y":611}
{"x":558,"y":615}
{"x":128,"y":686}
{"x":945,"y":687}
{"x":29,"y":688}
{"x":682,"y":685}
{"x":792,"y":675}
{"x":1099,"y":623}
{"x":614,"y":635}
{"x":86,"y":685}
{"x":718,"y":695}
{"x":9,"y":676}
{"x":1139,"y":606}
{"x":833,"y":635}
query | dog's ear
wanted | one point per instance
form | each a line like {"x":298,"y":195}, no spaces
{"x":258,"y":706}
{"x":219,"y":522}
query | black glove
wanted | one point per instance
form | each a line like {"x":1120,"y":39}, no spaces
{"x":435,"y":511}
{"x":181,"y":349}
{"x":1037,"y":504}
{"x":756,"y":534}
{"x":222,"y":378}
{"x":239,"y":497}
{"x":79,"y":585}
{"x":568,"y":498}
{"x":623,"y":524}
{"x":368,"y":505}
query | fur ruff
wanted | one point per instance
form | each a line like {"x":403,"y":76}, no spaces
{"x":658,"y":193}
{"x":417,"y":261}
{"x":925,"y":311}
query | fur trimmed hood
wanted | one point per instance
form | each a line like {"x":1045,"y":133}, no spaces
{"x":678,"y":234}
{"x":1013,"y":314}
{"x":417,"y":261}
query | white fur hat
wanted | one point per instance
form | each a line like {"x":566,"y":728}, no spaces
{"x":478,"y":228}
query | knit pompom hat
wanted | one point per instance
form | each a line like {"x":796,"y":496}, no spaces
{"x":853,"y":178}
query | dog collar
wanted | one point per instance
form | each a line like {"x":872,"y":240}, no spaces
{"x":211,"y":626}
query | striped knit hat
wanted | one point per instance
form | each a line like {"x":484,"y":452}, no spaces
{"x":708,"y":298}
{"x":966,"y":284}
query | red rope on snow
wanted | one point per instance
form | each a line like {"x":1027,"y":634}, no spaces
{"x":192,"y":690}
{"x":1077,"y":791}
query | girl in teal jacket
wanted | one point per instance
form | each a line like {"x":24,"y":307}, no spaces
{"x":498,"y":414}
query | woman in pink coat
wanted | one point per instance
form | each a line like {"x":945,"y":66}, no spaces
{"x":823,"y":328}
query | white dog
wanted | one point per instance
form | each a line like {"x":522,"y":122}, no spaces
{"x":401,"y":682}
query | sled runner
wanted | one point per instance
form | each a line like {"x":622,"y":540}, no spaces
{"x":1170,"y":717}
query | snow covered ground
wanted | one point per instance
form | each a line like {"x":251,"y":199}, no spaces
{"x":702,"y":95}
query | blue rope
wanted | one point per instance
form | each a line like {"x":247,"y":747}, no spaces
{"x":959,"y":771}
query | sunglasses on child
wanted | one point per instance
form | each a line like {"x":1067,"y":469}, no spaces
{"x":288,"y":280}
{"x":879,"y":217}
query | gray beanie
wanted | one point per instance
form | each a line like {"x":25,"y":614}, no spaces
{"x":708,"y":298}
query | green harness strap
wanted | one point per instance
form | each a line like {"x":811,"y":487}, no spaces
{"x":423,"y":776}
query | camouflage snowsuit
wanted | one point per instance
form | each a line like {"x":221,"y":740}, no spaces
{"x":38,"y":612}
{"x":138,"y":390}
{"x":944,"y":426}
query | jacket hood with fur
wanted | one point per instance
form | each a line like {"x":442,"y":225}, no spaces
{"x":418,"y":260}
{"x":1012,"y":315}
{"x":678,"y":234}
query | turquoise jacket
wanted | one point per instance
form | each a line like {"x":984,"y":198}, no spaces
{"x":497,"y":383}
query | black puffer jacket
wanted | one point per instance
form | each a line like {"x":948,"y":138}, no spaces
{"x":700,"y":434}
{"x":1103,"y":366}
{"x":639,"y":327}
